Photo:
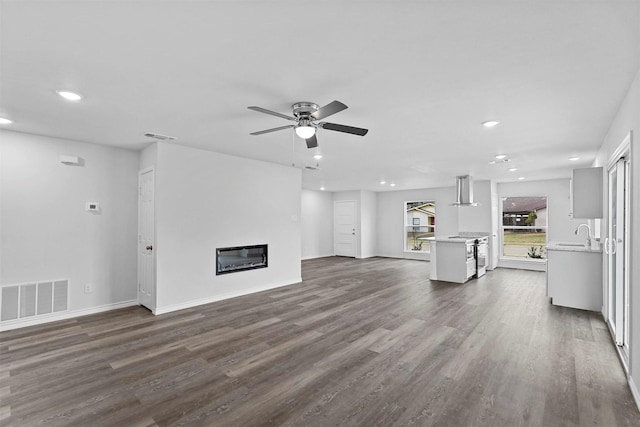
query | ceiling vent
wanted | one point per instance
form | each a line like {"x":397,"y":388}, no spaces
{"x":464,"y":191}
{"x":160,"y":137}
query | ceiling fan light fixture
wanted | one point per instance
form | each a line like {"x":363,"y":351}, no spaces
{"x":304,"y":130}
{"x":305,"y":115}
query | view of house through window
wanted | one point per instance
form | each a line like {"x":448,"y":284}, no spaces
{"x":524,"y":227}
{"x":420,"y":222}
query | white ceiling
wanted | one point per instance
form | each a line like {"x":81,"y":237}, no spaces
{"x":420,"y":75}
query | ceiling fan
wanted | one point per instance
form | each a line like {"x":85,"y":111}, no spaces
{"x":305,"y":114}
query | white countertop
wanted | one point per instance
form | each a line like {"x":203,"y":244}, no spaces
{"x":457,"y":239}
{"x":573,"y":247}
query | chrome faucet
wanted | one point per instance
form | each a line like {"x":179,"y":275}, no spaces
{"x":588,"y":233}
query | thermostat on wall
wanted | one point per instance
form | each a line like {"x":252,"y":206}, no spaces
{"x":93,"y":206}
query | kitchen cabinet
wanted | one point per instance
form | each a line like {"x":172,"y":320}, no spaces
{"x":586,"y":193}
{"x":450,"y":260}
{"x":574,"y":276}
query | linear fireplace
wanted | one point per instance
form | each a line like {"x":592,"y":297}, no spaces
{"x":239,"y":258}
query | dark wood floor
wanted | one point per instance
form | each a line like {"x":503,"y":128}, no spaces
{"x":358,"y":343}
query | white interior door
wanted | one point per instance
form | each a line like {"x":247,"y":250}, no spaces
{"x":146,"y":235}
{"x":344,"y":228}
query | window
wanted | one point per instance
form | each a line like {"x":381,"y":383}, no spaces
{"x":419,"y":223}
{"x":524,"y":227}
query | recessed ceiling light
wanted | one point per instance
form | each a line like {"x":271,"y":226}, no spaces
{"x":4,"y":121}
{"x":321,"y":188}
{"x":317,"y":156}
{"x":501,"y":159}
{"x":521,"y":178}
{"x":393,"y":184}
{"x":513,"y":169}
{"x":573,"y":159}
{"x":383,"y":182}
{"x":70,"y":96}
{"x":490,"y":123}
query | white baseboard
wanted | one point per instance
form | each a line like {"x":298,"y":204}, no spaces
{"x":8,"y":325}
{"x":634,"y":391}
{"x":534,"y":265}
{"x":215,"y":298}
{"x":317,"y":256}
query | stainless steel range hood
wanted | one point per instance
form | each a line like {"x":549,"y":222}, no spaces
{"x":464,"y":191}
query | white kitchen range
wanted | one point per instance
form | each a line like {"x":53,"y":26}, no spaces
{"x":459,"y":258}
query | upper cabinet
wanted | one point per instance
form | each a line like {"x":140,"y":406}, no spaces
{"x":586,"y":193}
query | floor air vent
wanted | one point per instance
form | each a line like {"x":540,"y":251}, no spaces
{"x":33,"y":299}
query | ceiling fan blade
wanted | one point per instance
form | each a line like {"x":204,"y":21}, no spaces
{"x":312,"y":142}
{"x":273,"y":113}
{"x":343,"y":128}
{"x":260,"y":132}
{"x":329,"y":109}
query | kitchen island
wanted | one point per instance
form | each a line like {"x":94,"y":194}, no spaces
{"x":452,"y":258}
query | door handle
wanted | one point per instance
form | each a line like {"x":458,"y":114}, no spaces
{"x":149,"y":248}
{"x":610,"y":246}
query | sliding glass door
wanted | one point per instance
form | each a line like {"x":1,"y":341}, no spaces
{"x":617,"y":250}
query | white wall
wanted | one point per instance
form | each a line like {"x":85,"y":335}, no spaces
{"x":477,"y":218}
{"x":317,"y":224}
{"x":149,"y":156}
{"x":628,"y":119}
{"x":45,"y":232}
{"x":391,"y":218}
{"x":206,"y":200}
{"x":368,"y":225}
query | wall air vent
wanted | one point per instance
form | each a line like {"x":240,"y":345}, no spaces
{"x":34,"y":299}
{"x":160,"y":137}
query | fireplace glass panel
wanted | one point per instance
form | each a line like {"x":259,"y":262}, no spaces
{"x":239,"y":258}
